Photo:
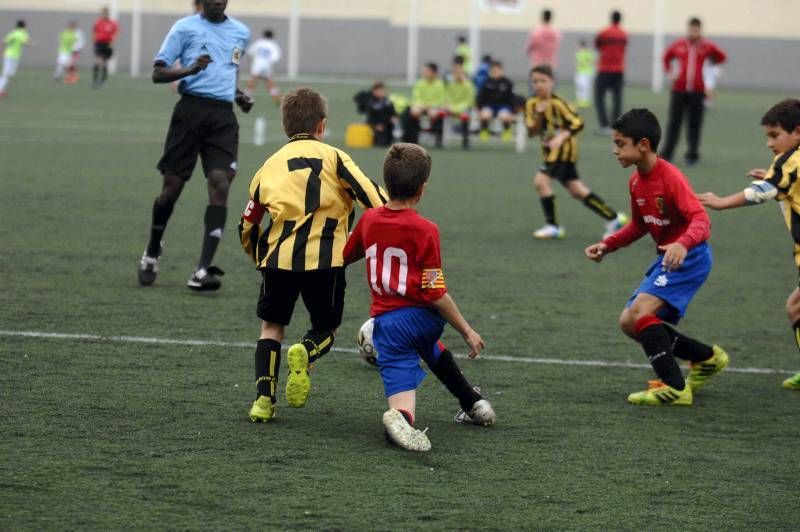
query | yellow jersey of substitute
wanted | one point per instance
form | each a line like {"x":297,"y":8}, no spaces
{"x":301,"y":206}
{"x":781,"y":184}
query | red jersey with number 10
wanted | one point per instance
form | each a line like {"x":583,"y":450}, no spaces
{"x":664,"y":205}
{"x":404,"y":261}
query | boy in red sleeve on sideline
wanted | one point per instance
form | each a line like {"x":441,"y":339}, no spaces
{"x":410,"y":302}
{"x":664,"y":205}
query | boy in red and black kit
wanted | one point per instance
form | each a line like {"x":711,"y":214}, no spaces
{"x":664,"y":205}
{"x":410,"y":302}
{"x":688,"y":88}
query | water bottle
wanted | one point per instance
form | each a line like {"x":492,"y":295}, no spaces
{"x":260,"y":131}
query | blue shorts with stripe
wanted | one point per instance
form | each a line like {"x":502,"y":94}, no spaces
{"x":402,"y":337}
{"x":676,"y":288}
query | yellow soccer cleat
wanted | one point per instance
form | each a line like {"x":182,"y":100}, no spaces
{"x":700,"y":372}
{"x":485,"y":134}
{"x":298,"y":385}
{"x":792,"y":383}
{"x":658,"y":393}
{"x":262,"y":410}
{"x":507,"y":135}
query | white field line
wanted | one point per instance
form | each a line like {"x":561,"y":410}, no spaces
{"x":218,"y":343}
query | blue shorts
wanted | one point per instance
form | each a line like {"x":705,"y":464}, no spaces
{"x":676,"y":288}
{"x":496,"y":109}
{"x":402,"y":337}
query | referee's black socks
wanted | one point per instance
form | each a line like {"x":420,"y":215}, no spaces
{"x":268,"y":363}
{"x":161,"y":214}
{"x":214,"y":225}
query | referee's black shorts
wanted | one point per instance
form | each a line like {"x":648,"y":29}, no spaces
{"x":204,"y":127}
{"x":104,"y":50}
{"x":322,"y":292}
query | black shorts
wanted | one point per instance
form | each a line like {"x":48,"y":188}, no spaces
{"x":104,"y":50}
{"x":204,"y":127}
{"x":322,"y":292}
{"x":563,"y":172}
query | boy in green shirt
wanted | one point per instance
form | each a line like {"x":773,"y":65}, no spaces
{"x":584,"y":74}
{"x":14,"y":42}
{"x":427,"y":100}
{"x":67,"y":40}
{"x":465,"y":53}
{"x":459,"y":98}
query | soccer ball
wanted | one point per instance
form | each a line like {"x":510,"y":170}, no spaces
{"x":365,"y":346}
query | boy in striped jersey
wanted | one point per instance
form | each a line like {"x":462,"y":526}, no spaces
{"x":307,"y":190}
{"x":557,"y":124}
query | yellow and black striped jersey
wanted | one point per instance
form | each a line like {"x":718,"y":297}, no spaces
{"x":781,"y":183}
{"x":306,"y":189}
{"x":558,"y":116}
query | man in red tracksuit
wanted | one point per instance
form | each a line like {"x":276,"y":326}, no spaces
{"x":684,"y":60}
{"x":105,"y":31}
{"x":610,"y":43}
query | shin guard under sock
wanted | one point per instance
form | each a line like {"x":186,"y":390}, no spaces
{"x":447,"y":371}
{"x":268,"y":361}
{"x":658,"y":347}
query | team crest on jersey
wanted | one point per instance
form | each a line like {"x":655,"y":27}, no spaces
{"x":660,"y":204}
{"x":432,"y":279}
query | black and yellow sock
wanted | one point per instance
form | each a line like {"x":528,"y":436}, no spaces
{"x":796,"y":329}
{"x":549,"y":208}
{"x":317,"y":343}
{"x":688,"y":348}
{"x":657,"y":346}
{"x":268,"y":362}
{"x":161,"y":214}
{"x":596,"y":204}
{"x":447,"y":371}
{"x":214,"y":225}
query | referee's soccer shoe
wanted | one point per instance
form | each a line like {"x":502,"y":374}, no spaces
{"x":205,"y":279}
{"x":148,"y":268}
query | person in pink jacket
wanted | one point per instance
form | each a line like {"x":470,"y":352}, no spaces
{"x":543,"y":43}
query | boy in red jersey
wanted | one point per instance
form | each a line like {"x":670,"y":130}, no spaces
{"x":410,"y":302}
{"x":664,"y":205}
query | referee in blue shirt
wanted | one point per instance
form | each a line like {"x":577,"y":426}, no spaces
{"x":203,"y":123}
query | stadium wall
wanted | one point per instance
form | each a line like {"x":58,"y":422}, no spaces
{"x":372,"y":47}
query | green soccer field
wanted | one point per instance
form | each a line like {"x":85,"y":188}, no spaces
{"x":133,"y":415}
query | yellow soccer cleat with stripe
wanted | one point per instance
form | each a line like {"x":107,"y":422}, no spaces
{"x":262,"y":410}
{"x":658,"y":393}
{"x":298,"y":385}
{"x":792,"y":383}
{"x":700,"y":372}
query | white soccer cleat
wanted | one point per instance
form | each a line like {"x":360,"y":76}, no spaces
{"x":481,"y":414}
{"x":612,"y":226}
{"x":549,"y":232}
{"x":403,"y":434}
{"x":148,"y":269}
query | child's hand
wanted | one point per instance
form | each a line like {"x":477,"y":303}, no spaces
{"x":757,"y":173}
{"x":674,"y":255}
{"x":710,"y":200}
{"x":596,"y":252}
{"x":474,"y":342}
